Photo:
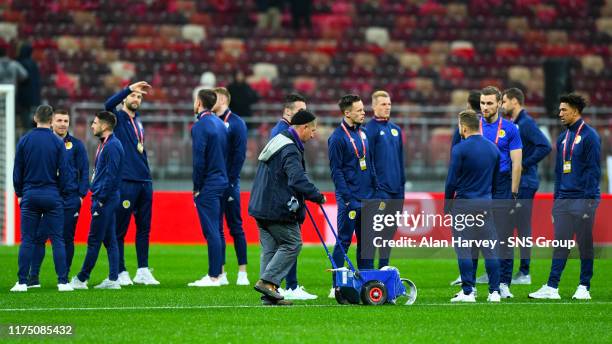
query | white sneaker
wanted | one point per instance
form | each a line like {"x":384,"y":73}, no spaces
{"x":223,"y":279}
{"x":243,"y":279}
{"x":332,"y":293}
{"x":483,"y":279}
{"x":520,"y":278}
{"x":144,"y":276}
{"x":282,"y":291}
{"x":124,"y":278}
{"x":582,"y":293}
{"x":205,"y":281}
{"x":20,"y":287}
{"x":494,"y":297}
{"x":298,"y":294}
{"x":108,"y":284}
{"x":457,"y":281}
{"x":474,"y":291}
{"x":504,"y":291}
{"x":65,"y":287}
{"x":461,"y":297}
{"x":546,"y":292}
{"x":76,"y":283}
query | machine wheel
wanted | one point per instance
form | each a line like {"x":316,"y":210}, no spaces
{"x":373,"y":293}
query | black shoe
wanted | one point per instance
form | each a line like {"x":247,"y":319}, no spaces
{"x":264,"y":288}
{"x":266,"y":301}
{"x":33,"y":282}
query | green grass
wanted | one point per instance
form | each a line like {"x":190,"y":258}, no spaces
{"x":173,"y":312}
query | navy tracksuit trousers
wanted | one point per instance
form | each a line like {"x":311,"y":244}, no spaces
{"x":36,"y":204}
{"x":136,"y":198}
{"x":72,"y":207}
{"x":102,"y":231}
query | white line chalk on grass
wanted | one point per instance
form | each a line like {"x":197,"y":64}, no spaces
{"x":131,"y":308}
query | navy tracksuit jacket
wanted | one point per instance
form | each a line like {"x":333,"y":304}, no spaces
{"x":281,"y":126}
{"x":230,"y":202}
{"x":76,"y":189}
{"x":105,"y":185}
{"x":40,"y":179}
{"x":136,"y":185}
{"x":386,"y":142}
{"x":352,"y":183}
{"x":210,"y":136}
{"x":535,"y":148}
{"x":577,"y":195}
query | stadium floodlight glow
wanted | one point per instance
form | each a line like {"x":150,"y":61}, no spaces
{"x":7,"y":156}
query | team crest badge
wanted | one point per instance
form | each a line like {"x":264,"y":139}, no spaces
{"x":352,"y":214}
{"x":226,"y":124}
{"x":382,"y":206}
{"x":578,"y":139}
{"x":363,"y":135}
{"x":126,"y":204}
{"x":502,"y":133}
{"x":68,"y":145}
{"x":394,"y":132}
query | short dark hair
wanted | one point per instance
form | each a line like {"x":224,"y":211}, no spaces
{"x":43,"y":114}
{"x":107,"y":117}
{"x":574,"y":100}
{"x":474,"y":100}
{"x":292,"y":98}
{"x":61,"y":112}
{"x":469,"y":118}
{"x":208,"y":98}
{"x":346,"y":102}
{"x":515,"y":93}
{"x":491,"y":90}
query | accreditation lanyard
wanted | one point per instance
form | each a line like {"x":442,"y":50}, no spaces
{"x":139,"y":134}
{"x":362,"y":161}
{"x":229,"y":113}
{"x":498,"y":129}
{"x":98,"y":152}
{"x":567,"y":164}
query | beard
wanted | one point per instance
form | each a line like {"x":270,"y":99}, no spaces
{"x":132,"y":106}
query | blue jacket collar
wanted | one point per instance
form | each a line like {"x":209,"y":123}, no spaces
{"x":575,"y":126}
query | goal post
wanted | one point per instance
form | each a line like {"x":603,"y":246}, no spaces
{"x":7,"y":156}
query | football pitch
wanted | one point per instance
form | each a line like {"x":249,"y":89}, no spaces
{"x":173,"y":312}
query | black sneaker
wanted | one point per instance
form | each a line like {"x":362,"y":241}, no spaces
{"x":33,"y":282}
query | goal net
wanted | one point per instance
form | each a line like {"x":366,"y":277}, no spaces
{"x":7,"y":153}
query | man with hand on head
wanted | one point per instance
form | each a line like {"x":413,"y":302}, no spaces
{"x":40,"y":179}
{"x":136,"y":181}
{"x":76,"y":190}
{"x":105,"y":183}
{"x":280,"y":189}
